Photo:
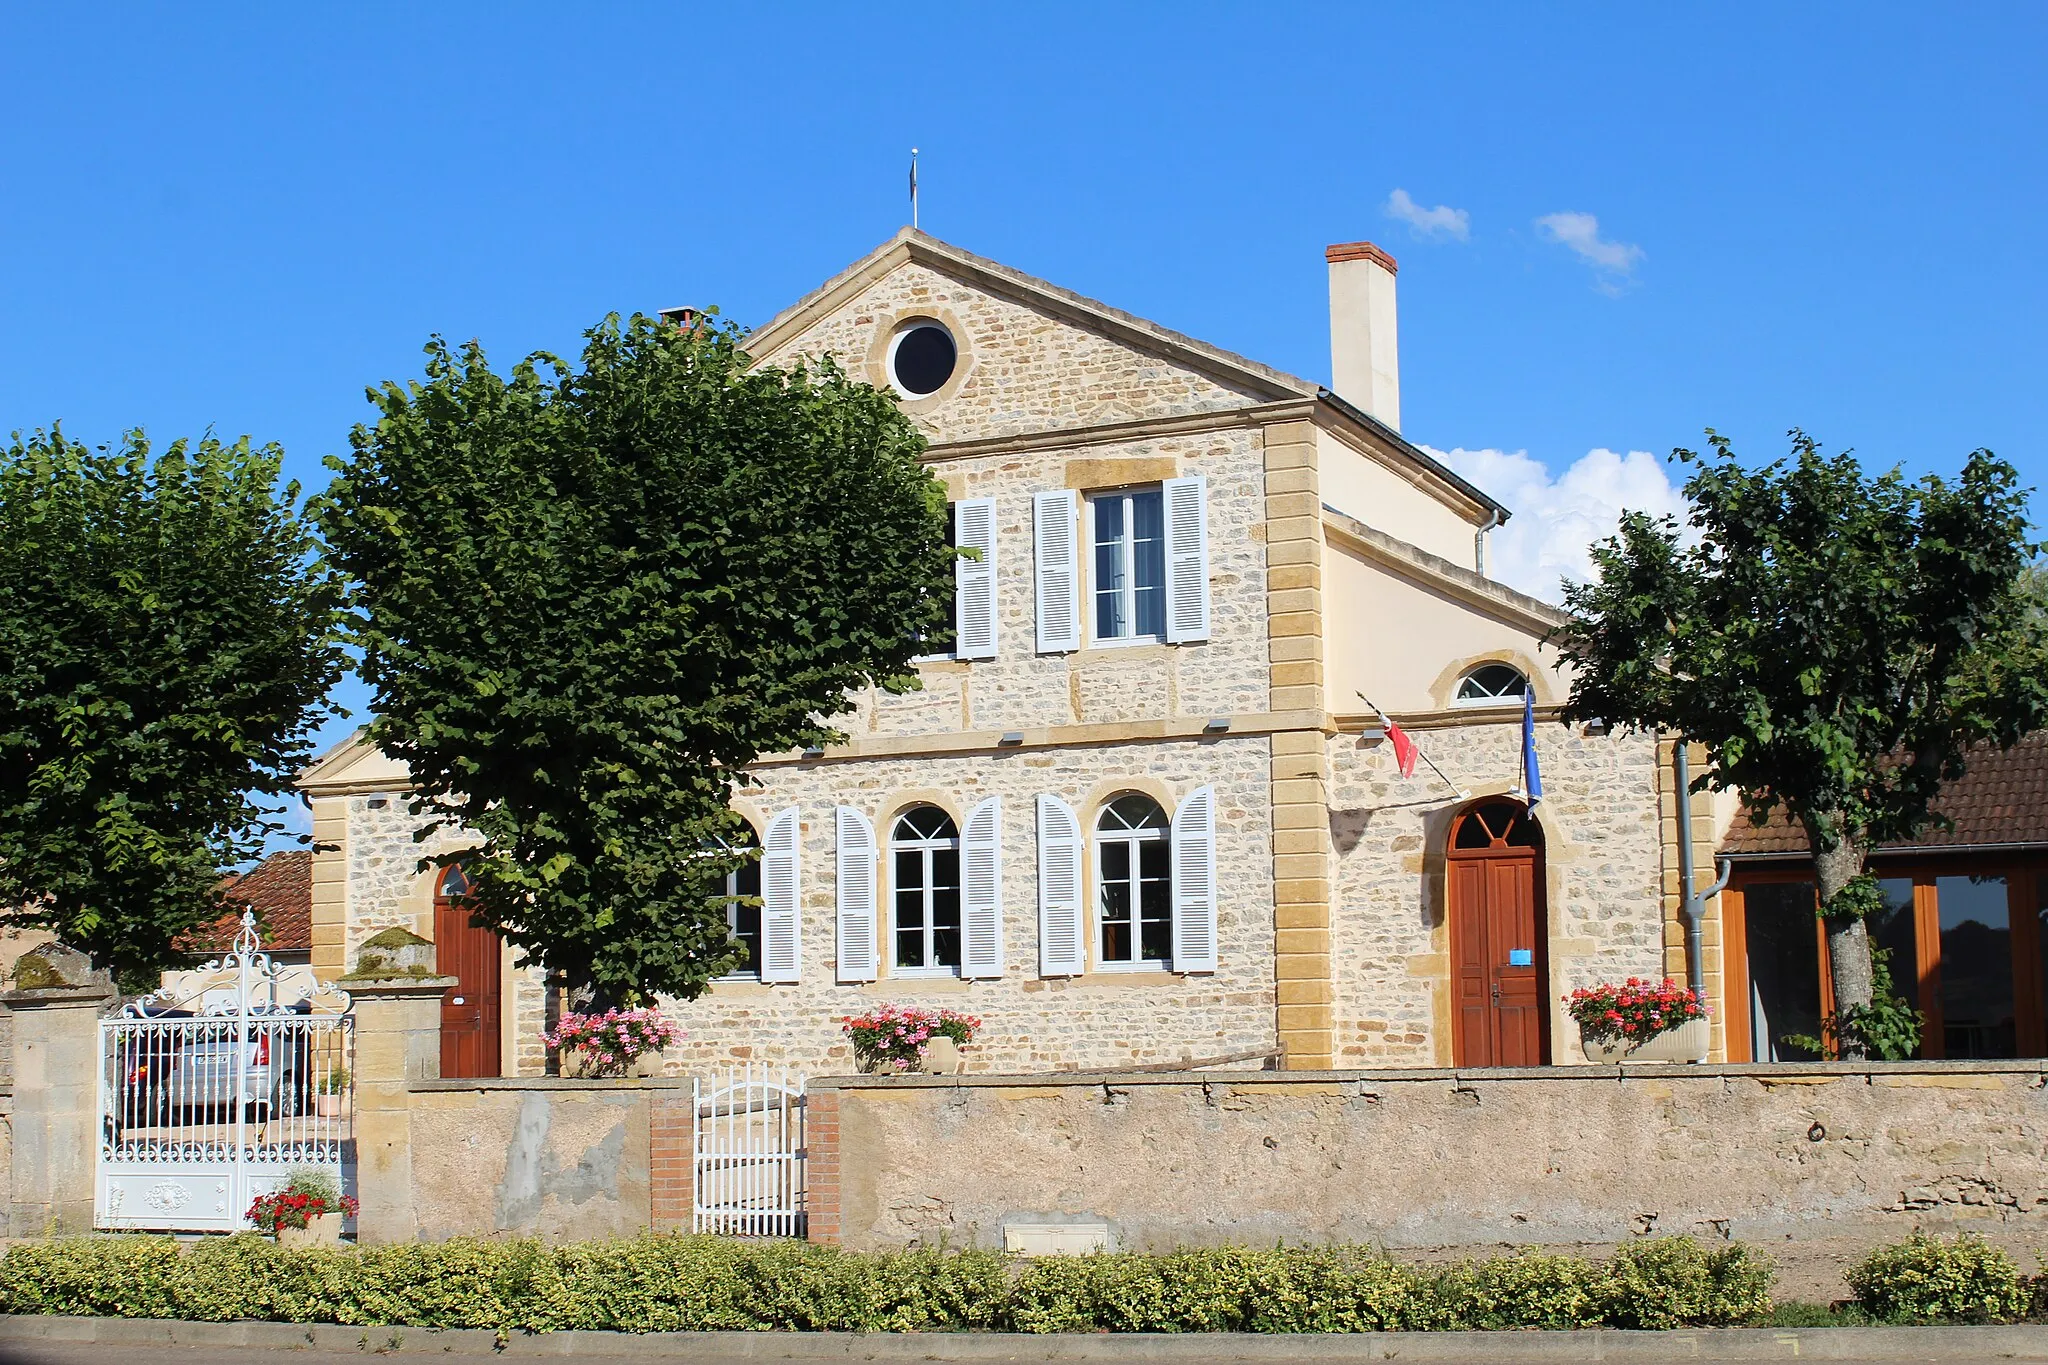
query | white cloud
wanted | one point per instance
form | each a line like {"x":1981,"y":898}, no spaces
{"x":1441,"y":221}
{"x":1581,"y":232}
{"x":1558,"y":518}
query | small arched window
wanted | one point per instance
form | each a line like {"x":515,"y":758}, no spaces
{"x":1492,"y":685}
{"x":924,"y":861}
{"x":742,"y":890}
{"x":1134,"y":880}
{"x":454,"y":883}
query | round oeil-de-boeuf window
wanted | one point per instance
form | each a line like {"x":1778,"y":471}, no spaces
{"x":922,"y":357}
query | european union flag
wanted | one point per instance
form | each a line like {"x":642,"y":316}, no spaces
{"x":1532,"y":776}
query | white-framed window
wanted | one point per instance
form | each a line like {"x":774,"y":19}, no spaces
{"x":1133,"y":884}
{"x":742,"y":890}
{"x":1127,"y":564}
{"x":924,"y":901}
{"x":1491,"y":685}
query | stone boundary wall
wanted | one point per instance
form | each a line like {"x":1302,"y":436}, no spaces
{"x":1438,"y":1158}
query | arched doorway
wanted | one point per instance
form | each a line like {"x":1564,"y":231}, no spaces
{"x":472,"y":1009}
{"x":1493,"y":868}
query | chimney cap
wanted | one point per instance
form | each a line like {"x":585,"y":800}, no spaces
{"x":1360,"y":251}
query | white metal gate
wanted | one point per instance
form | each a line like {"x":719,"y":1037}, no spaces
{"x":210,"y":1100}
{"x":749,"y":1161}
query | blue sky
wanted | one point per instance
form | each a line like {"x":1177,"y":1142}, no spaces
{"x":1829,"y":217}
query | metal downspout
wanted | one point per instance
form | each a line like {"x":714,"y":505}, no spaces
{"x":1692,"y":903}
{"x":1493,"y":520}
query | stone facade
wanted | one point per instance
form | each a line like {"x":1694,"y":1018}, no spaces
{"x":1032,"y":1023}
{"x":1602,"y":859}
{"x":1329,"y":870}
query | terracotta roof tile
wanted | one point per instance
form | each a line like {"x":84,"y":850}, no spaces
{"x":280,"y":890}
{"x":2001,"y":798}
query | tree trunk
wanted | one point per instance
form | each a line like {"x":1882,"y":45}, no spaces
{"x":1848,"y":935}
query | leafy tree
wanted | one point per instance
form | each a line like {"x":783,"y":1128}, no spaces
{"x":593,"y":597}
{"x":166,"y":639}
{"x":1836,"y":642}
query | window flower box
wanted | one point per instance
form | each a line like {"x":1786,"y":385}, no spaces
{"x":1640,"y":1021}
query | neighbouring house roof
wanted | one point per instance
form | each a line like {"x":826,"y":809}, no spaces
{"x":280,"y":890}
{"x":2000,"y":800}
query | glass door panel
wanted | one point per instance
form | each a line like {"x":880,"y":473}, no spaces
{"x":1977,"y":1013}
{"x":1784,"y":968}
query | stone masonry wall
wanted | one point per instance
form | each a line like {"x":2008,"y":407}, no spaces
{"x":1025,"y":370}
{"x":1032,"y":1023}
{"x":1020,"y":688}
{"x":1603,"y":862}
{"x":1416,"y":1159}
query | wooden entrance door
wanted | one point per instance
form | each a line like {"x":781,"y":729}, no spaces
{"x":471,"y":1010}
{"x":1499,"y":966}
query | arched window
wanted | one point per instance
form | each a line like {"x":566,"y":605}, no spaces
{"x":1497,"y":825}
{"x":742,"y":885}
{"x":1492,"y":685}
{"x":924,"y":859}
{"x":1134,"y":880}
{"x":454,"y":883}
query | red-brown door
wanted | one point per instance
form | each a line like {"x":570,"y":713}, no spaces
{"x":470,"y":1011}
{"x":1494,"y":876}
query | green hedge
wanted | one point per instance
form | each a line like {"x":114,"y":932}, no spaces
{"x":685,"y":1283}
{"x":1927,"y":1279}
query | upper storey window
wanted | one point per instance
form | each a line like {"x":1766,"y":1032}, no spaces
{"x":1128,"y":538}
{"x":922,"y":357}
{"x":1492,"y":685}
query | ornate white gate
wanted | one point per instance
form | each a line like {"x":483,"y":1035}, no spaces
{"x":750,"y":1153}
{"x":208,"y":1100}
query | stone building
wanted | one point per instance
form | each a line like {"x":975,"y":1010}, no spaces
{"x":1139,"y":811}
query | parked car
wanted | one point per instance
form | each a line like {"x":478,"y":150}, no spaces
{"x":185,"y":1073}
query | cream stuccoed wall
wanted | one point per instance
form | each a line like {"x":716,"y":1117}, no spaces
{"x":1360,"y":485}
{"x":1404,"y":639}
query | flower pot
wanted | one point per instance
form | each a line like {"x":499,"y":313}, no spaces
{"x":1686,"y":1043}
{"x":323,"y":1230}
{"x":327,"y":1106}
{"x":942,"y":1057}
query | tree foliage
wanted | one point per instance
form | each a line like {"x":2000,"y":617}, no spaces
{"x":166,"y":639}
{"x":1836,"y":642}
{"x":594,"y":596}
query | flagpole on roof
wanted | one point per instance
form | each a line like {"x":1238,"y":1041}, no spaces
{"x":913,"y":187}
{"x":1389,"y":725}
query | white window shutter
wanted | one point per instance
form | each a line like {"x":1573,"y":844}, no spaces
{"x":856,"y":891}
{"x":981,"y":891}
{"x":1061,"y":949}
{"x":1187,"y":559}
{"x":974,"y":580}
{"x":781,"y":899}
{"x":1055,"y":547}
{"x":1194,"y":882}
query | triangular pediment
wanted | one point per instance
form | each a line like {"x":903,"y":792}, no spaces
{"x":354,"y":765}
{"x":1032,"y":357}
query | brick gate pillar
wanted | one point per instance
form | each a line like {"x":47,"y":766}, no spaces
{"x":672,"y":1157}
{"x":56,"y":1119}
{"x":398,"y":1043}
